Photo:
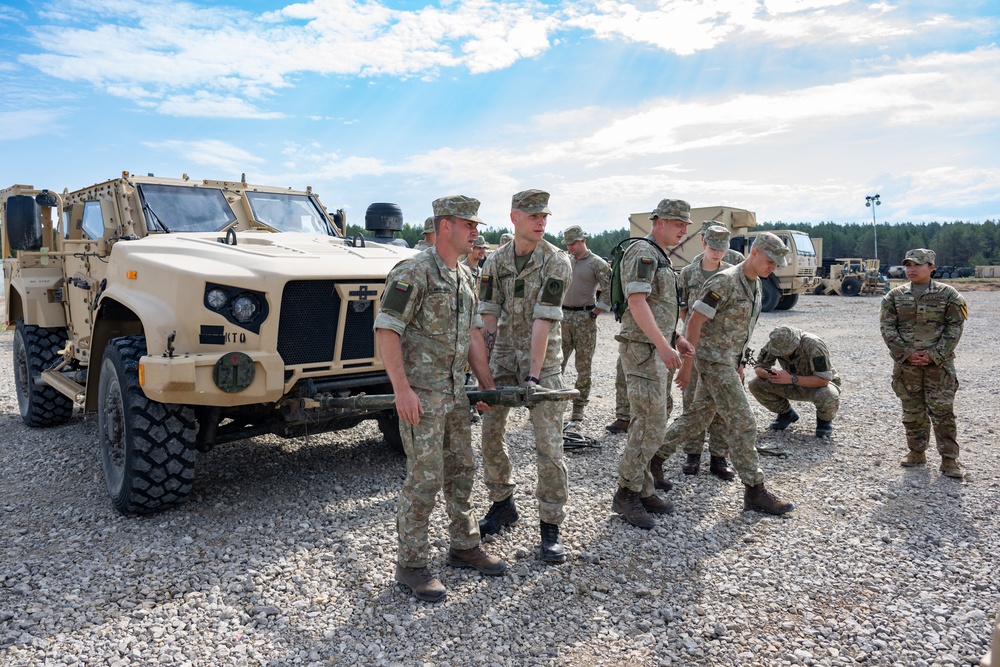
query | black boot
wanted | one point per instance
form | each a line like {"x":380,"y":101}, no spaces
{"x":691,"y":464}
{"x":784,"y":419}
{"x":824,"y":428}
{"x":552,"y":548}
{"x":656,"y":469}
{"x":502,"y":513}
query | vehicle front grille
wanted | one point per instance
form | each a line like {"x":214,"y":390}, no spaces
{"x":359,"y":339}
{"x":307,"y":331}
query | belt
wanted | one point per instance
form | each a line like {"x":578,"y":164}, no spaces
{"x":578,"y":308}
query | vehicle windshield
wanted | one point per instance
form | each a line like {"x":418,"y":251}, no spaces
{"x":289,"y":213}
{"x":172,"y":208}
{"x":803,"y":244}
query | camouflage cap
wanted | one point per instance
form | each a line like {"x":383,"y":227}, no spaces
{"x":480,"y":242}
{"x":771,"y":246}
{"x":506,"y":238}
{"x":429,"y":225}
{"x":672,"y":209}
{"x":459,"y":206}
{"x":531,"y":201}
{"x":574,"y":233}
{"x":919,"y":256}
{"x":717,"y":237}
{"x":784,"y":340}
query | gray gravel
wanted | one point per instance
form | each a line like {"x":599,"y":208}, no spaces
{"x":284,"y":553}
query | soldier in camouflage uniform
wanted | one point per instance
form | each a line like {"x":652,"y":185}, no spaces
{"x":715,"y":242}
{"x":805,"y":374}
{"x":731,"y":257}
{"x":580,"y":311}
{"x":921,"y":323}
{"x":521,"y":294}
{"x":505,"y":238}
{"x":646,"y":351}
{"x":427,"y":330}
{"x":476,"y":256}
{"x":720,"y":328}
{"x":429,"y":234}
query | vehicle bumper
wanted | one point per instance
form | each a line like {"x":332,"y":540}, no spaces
{"x":190,"y":380}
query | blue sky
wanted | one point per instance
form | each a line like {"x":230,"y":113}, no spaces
{"x":795,"y":109}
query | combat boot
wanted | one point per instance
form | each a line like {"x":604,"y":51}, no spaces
{"x":502,"y":513}
{"x":824,"y":428}
{"x":552,"y":548}
{"x":691,"y":464}
{"x":425,"y":586}
{"x":913,"y":458}
{"x":952,"y":468}
{"x":618,"y":426}
{"x":478,"y":559}
{"x":577,"y":415}
{"x":654,"y":504}
{"x":760,"y":499}
{"x":784,"y":419}
{"x":656,"y":470}
{"x":719,"y":467}
{"x":627,"y":503}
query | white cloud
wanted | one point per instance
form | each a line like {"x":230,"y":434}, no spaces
{"x":26,"y":123}
{"x":206,"y":105}
{"x":211,"y":153}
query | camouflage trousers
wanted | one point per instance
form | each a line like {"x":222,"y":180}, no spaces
{"x":648,"y":384}
{"x":928,"y":396}
{"x":439,"y":456}
{"x":623,"y":408}
{"x":776,"y":397}
{"x":579,"y":336}
{"x":718,"y":440}
{"x":552,"y":486}
{"x":720,"y":391}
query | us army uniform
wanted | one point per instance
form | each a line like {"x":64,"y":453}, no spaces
{"x":579,"y":325}
{"x":927,"y":317}
{"x":425,"y":243}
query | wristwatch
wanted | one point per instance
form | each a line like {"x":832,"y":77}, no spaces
{"x":531,"y":378}
{"x":795,"y":379}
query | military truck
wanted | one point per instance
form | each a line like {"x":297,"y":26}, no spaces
{"x":188,"y":314}
{"x":851,"y":276}
{"x":782,"y":288}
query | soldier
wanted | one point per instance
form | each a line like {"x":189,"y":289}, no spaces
{"x":921,"y":323}
{"x":715,"y":244}
{"x":427,"y":330}
{"x":475,"y":256}
{"x":730,"y":257}
{"x":429,"y":235}
{"x":580,"y":311}
{"x":720,"y":329}
{"x":521,"y":295}
{"x":505,"y":238}
{"x":805,"y":374}
{"x":646,"y":352}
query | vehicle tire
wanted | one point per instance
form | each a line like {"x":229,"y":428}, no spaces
{"x":769,"y":297}
{"x":850,"y":287}
{"x":819,"y":290}
{"x":37,"y":349}
{"x":147,"y":448}
{"x":388,"y":424}
{"x":787,"y":302}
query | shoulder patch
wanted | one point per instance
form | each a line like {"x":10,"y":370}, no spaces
{"x":552,"y":292}
{"x":712,"y":299}
{"x":396,"y":297}
{"x":486,"y":288}
{"x":646,"y":268}
{"x":821,"y":364}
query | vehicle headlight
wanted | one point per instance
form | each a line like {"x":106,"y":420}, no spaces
{"x":245,"y":308}
{"x":217,"y":299}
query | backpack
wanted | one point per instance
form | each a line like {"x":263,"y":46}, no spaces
{"x":619,"y":302}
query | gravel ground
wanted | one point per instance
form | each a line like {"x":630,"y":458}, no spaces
{"x":284,"y":553}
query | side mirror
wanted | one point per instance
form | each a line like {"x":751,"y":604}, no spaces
{"x":24,"y":223}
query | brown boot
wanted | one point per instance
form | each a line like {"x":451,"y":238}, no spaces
{"x":691,"y":464}
{"x":719,"y":467}
{"x":618,"y":426}
{"x":425,"y":586}
{"x":654,"y":504}
{"x":577,"y":415}
{"x":912,"y":459}
{"x":760,"y":499}
{"x":952,"y":468}
{"x":476,"y":558}
{"x":656,"y":469}
{"x":627,"y":503}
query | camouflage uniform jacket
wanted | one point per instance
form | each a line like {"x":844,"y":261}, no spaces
{"x":476,"y":271}
{"x":590,"y":274}
{"x":691,"y":279}
{"x":932,"y":321}
{"x":422,"y":244}
{"x":811,"y":357}
{"x":433,"y":314}
{"x":518,"y":299}
{"x":732,"y":304}
{"x":644,"y":269}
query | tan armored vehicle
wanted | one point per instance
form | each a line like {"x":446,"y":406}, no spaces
{"x":191,"y":313}
{"x":783,"y":287}
{"x":851,"y":276}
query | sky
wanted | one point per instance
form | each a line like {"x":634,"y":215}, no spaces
{"x":794,"y":109}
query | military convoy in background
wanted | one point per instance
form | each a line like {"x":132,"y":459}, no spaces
{"x":188,"y":314}
{"x":782,"y":288}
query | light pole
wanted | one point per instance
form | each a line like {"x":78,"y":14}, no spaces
{"x":869,"y":200}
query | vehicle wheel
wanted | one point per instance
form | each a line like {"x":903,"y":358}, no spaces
{"x":787,"y":302}
{"x":147,"y":447}
{"x":769,"y":297}
{"x":819,"y":290}
{"x":850,"y":287}
{"x":37,"y":349}
{"x":388,"y":423}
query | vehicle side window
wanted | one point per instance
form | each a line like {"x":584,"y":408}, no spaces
{"x":93,"y":221}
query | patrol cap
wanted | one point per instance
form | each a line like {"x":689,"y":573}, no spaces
{"x":531,"y":201}
{"x":717,"y":237}
{"x":459,"y":206}
{"x":429,"y":225}
{"x":506,"y":238}
{"x":784,"y":340}
{"x":919,"y":256}
{"x":771,"y":246}
{"x":480,"y":242}
{"x":672,"y":209}
{"x":574,"y":233}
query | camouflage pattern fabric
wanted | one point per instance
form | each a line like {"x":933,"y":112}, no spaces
{"x":772,"y":246}
{"x":579,"y":329}
{"x":622,"y":408}
{"x":716,"y":237}
{"x":645,"y":271}
{"x":732,"y":304}
{"x":809,"y":356}
{"x":460,"y":206}
{"x":929,"y":319}
{"x":422,"y":244}
{"x":672,"y":209}
{"x":517,"y":299}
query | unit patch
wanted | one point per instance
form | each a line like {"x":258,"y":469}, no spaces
{"x":486,"y":288}
{"x":552,"y":292}
{"x":646,"y":268}
{"x":396,"y":297}
{"x":821,"y":364}
{"x":712,"y":299}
